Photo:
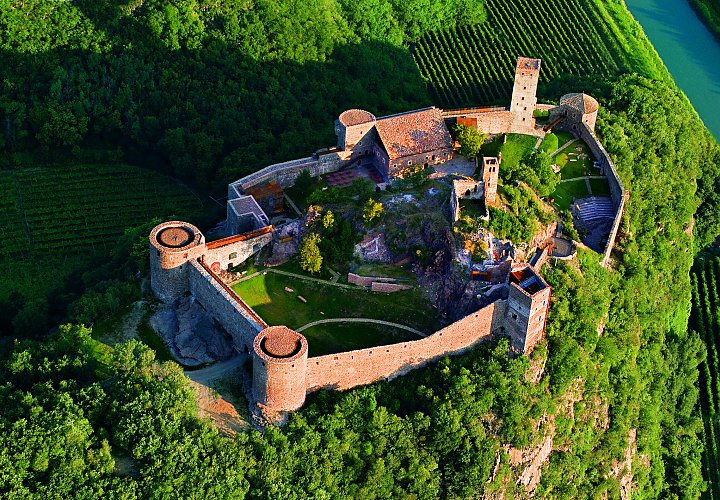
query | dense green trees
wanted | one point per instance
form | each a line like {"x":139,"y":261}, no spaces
{"x":218,"y":89}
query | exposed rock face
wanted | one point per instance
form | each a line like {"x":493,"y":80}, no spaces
{"x":190,"y":333}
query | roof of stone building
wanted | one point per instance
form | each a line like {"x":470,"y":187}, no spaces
{"x":414,"y":132}
{"x":248,"y":205}
{"x":582,"y":102}
{"x":528,"y":63}
{"x":281,"y":342}
{"x":355,"y":117}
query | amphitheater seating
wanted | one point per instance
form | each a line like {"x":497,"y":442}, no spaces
{"x":594,"y":209}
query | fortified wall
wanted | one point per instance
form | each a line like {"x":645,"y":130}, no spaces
{"x":283,"y":373}
{"x":182,"y":263}
{"x":577,"y":113}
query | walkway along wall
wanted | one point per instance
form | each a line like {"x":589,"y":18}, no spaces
{"x":365,"y":366}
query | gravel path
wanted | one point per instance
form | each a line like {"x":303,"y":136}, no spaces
{"x":361,"y":320}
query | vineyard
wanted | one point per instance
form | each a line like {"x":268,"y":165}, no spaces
{"x":77,"y":209}
{"x":706,"y":320}
{"x":474,"y":65}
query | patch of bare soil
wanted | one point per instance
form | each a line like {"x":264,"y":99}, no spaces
{"x":127,"y":328}
{"x":623,"y":469}
{"x":223,"y":415}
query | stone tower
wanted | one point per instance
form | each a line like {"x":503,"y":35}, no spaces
{"x":172,"y":245}
{"x":354,"y":129}
{"x":524,"y":95}
{"x":280,"y":368}
{"x":527,"y":306}
{"x":491,"y":166}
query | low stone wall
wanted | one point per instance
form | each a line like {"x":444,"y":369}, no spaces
{"x":356,"y":279}
{"x":236,"y":317}
{"x":349,"y":369}
{"x":388,"y":287}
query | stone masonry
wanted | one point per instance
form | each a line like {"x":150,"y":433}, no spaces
{"x":182,"y":263}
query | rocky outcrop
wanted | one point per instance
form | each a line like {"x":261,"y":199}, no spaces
{"x":190,"y":333}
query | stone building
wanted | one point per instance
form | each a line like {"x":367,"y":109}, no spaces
{"x":523,"y":101}
{"x":393,"y":143}
{"x":181,"y":262}
{"x":575,"y":109}
{"x":490,"y":172}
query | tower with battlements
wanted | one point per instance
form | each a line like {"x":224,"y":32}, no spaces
{"x":524,"y":95}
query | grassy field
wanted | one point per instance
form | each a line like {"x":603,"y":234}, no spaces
{"x":342,"y":337}
{"x":267,"y":296}
{"x":385,"y":270}
{"x":566,"y":191}
{"x":516,"y":146}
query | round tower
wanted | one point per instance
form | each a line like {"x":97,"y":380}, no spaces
{"x":280,"y":368}
{"x":172,"y":245}
{"x":351,"y":126}
{"x":580,"y":108}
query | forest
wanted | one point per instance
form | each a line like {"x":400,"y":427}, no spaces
{"x":206,"y":91}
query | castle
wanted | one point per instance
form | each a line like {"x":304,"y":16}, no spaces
{"x":183,"y":262}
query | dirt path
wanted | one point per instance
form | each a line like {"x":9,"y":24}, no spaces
{"x":361,"y":320}
{"x":299,"y":276}
{"x":213,"y":372}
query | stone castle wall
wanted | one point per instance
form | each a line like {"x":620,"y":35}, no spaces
{"x":286,"y":173}
{"x":349,"y":369}
{"x":236,"y":317}
{"x":618,"y":193}
{"x":220,"y":255}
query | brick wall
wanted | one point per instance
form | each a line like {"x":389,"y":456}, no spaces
{"x":494,"y":122}
{"x":388,"y":287}
{"x":353,"y":368}
{"x":225,"y":307}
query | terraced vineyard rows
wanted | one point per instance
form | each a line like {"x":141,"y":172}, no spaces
{"x":474,"y":65}
{"x":706,"y":320}
{"x":82,"y":207}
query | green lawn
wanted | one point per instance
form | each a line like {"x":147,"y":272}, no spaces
{"x":516,"y":146}
{"x":492,"y":148}
{"x":563,"y":137}
{"x":600,"y":187}
{"x":385,"y":270}
{"x":267,"y":296}
{"x":550,"y":143}
{"x":571,"y":166}
{"x":566,"y":191}
{"x":342,"y":337}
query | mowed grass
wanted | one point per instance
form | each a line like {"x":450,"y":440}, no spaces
{"x":516,"y":146}
{"x":600,"y":187}
{"x":267,"y":296}
{"x":566,"y":191}
{"x":332,"y":338}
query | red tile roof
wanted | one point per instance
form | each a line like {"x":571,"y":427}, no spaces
{"x":414,"y":132}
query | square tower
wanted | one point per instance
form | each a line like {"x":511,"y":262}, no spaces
{"x":527,"y":307}
{"x":524,"y":95}
{"x":491,"y":167}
